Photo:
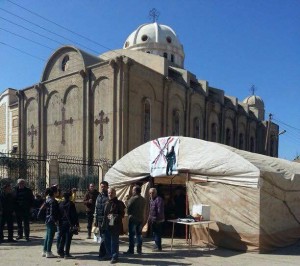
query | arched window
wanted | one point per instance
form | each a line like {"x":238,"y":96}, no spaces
{"x":228,"y":136}
{"x":175,"y":123}
{"x":252,"y":144}
{"x":196,"y":128}
{"x":241,"y":141}
{"x":65,"y":63}
{"x":165,"y":55}
{"x":172,"y":58}
{"x":147,"y":121}
{"x":214,"y":132}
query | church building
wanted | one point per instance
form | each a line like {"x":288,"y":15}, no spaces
{"x":103,"y":106}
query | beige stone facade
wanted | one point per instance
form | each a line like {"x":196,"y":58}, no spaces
{"x":105,"y":106}
{"x":3,"y":123}
{"x":9,"y":125}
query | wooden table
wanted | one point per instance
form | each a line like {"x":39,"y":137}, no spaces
{"x":190,"y":223}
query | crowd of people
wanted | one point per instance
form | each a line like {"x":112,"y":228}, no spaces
{"x":103,"y":211}
{"x":108,"y":215}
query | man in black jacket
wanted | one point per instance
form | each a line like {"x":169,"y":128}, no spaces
{"x":89,"y":202}
{"x":7,"y":203}
{"x":114,"y":211}
{"x":68,"y":219}
{"x":24,"y":203}
{"x":99,"y":214}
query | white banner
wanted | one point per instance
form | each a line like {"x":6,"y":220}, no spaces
{"x":163,"y":156}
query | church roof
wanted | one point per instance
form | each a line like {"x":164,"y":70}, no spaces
{"x":72,"y":58}
{"x":156,"y":63}
{"x":156,"y":39}
{"x":152,"y":32}
{"x":254,"y":101}
{"x":89,"y":59}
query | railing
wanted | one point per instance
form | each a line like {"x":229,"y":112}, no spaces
{"x":79,"y":176}
{"x":33,"y":170}
{"x":73,"y":172}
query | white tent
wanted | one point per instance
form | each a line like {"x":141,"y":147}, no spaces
{"x":254,"y":199}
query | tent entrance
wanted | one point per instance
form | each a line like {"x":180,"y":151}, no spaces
{"x":175,"y":200}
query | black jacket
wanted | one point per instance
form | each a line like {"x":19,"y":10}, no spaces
{"x":24,"y":199}
{"x":52,"y":211}
{"x":68,"y":213}
{"x":116,"y":208}
{"x":99,"y":208}
{"x":7,"y":202}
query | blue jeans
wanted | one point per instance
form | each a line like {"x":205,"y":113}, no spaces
{"x":111,"y":241}
{"x":50,"y":232}
{"x":64,"y":243}
{"x":102,"y":249}
{"x":58,"y":237}
{"x":135,"y":229}
{"x":157,"y":229}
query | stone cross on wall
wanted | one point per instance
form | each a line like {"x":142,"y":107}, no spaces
{"x":32,"y":132}
{"x":63,"y":124}
{"x":101,"y":122}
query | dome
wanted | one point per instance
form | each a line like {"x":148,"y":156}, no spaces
{"x":254,"y":101}
{"x":156,"y":39}
{"x":257,"y":106}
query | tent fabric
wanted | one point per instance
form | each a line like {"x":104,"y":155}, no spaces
{"x":284,"y":168}
{"x":247,"y":218}
{"x":236,"y":211}
{"x":254,"y":198}
{"x":207,"y":159}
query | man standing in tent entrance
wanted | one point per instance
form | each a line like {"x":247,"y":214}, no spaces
{"x":171,"y":160}
{"x":156,"y":217}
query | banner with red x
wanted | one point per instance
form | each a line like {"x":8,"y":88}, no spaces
{"x":163,"y":156}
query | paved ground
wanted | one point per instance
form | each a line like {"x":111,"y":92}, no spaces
{"x":86,"y":251}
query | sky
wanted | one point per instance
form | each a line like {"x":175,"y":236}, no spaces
{"x":233,"y":44}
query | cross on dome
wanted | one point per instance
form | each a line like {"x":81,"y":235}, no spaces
{"x":154,"y":14}
{"x":253,"y":89}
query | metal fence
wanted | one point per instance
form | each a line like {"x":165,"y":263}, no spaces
{"x":31,"y":168}
{"x":78,"y":176}
{"x":73,"y":172}
{"x":78,"y":173}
